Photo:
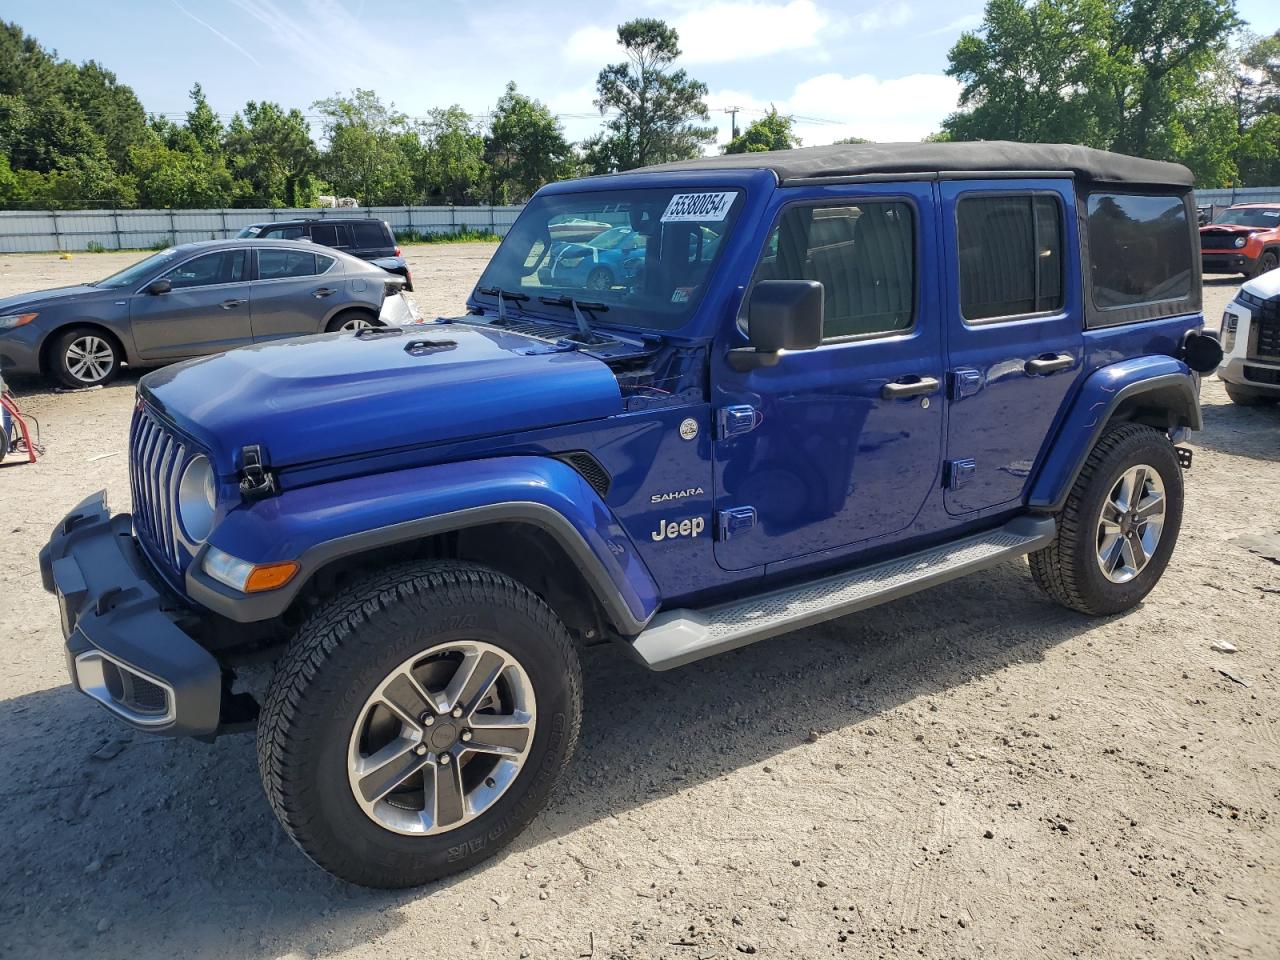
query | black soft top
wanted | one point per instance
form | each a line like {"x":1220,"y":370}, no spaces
{"x":944,"y":160}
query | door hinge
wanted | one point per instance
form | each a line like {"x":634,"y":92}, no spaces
{"x":256,"y":479}
{"x":734,"y":421}
{"x":734,"y":522}
{"x":965,"y":382}
{"x":958,"y":473}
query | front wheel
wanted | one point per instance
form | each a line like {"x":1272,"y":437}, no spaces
{"x":418,"y":722}
{"x":1266,"y":263}
{"x":1119,"y":525}
{"x":85,"y":357}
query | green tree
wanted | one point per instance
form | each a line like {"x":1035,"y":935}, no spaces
{"x":169,"y":177}
{"x":452,"y":166}
{"x":367,"y":150}
{"x":525,"y":148}
{"x":655,"y":106}
{"x":271,"y":152}
{"x":771,"y":132}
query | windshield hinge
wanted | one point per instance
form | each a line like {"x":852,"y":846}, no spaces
{"x":256,"y":479}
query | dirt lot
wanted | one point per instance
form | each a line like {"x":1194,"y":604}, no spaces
{"x":972,"y":771}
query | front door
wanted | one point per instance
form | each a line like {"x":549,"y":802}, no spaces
{"x":205,"y":311}
{"x":1015,"y":333}
{"x":841,"y":444}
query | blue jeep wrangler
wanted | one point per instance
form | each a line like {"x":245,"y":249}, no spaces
{"x":841,"y":375}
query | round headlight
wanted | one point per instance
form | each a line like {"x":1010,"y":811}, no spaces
{"x":1241,"y":241}
{"x":197,"y":494}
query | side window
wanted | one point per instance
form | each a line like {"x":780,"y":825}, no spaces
{"x":279,"y":264}
{"x":1010,"y":253}
{"x":282,"y":233}
{"x":863,"y":255}
{"x":1139,"y":249}
{"x":329,"y":234}
{"x":226,"y":266}
{"x":371,"y":234}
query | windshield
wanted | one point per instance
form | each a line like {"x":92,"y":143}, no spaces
{"x":644,"y":255}
{"x":139,"y":271}
{"x":249,"y":231}
{"x":1250,"y":217}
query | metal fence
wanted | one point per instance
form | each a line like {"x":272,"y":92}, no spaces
{"x":1229,"y":195}
{"x":33,"y":231}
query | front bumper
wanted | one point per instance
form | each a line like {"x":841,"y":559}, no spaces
{"x":124,"y":648}
{"x":1263,"y":375}
{"x":20,"y":350}
{"x":1228,"y":261}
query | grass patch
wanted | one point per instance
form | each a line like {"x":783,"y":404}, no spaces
{"x":466,"y":235}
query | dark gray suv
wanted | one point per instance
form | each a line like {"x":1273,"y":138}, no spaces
{"x":361,"y":237}
{"x":189,"y":301}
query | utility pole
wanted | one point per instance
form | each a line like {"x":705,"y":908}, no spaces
{"x":733,"y":121}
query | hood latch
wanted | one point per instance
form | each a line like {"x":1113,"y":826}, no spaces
{"x":256,"y":479}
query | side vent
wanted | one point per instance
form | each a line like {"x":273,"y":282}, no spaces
{"x":590,"y":468}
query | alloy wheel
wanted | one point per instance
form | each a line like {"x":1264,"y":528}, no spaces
{"x":357,"y":323}
{"x":441,"y":738}
{"x":90,"y":358}
{"x":1130,"y":523}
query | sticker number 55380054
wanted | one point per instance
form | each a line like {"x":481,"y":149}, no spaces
{"x":698,"y":206}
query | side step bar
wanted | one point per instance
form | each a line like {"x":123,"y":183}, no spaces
{"x":676,"y":637}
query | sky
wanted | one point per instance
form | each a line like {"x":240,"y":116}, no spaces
{"x":869,"y":69}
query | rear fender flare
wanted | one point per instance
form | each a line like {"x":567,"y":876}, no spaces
{"x":320,"y":524}
{"x":1160,"y":382}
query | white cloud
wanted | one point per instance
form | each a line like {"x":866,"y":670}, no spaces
{"x":831,"y":106}
{"x":719,"y":32}
{"x":882,"y":17}
{"x":969,"y":21}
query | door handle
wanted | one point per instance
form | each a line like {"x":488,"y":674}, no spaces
{"x":912,"y":386}
{"x":1048,"y":363}
{"x":230,"y":304}
{"x":324,"y":292}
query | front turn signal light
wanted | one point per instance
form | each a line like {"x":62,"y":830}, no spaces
{"x":247,"y":577}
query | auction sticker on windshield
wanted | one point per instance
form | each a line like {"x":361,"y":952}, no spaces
{"x":698,"y":206}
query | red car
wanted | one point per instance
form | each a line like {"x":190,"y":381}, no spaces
{"x":1244,"y":239}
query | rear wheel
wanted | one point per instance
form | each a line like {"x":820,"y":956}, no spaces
{"x":352,"y":320}
{"x":418,"y":722}
{"x":1119,"y":525}
{"x":85,"y":357}
{"x":1244,"y":397}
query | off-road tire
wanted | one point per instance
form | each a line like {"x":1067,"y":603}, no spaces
{"x":60,"y":363}
{"x":1244,"y":397}
{"x":1067,"y":570}
{"x":335,"y":661}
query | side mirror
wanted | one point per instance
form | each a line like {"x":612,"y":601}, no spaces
{"x":159,"y":286}
{"x":781,"y":315}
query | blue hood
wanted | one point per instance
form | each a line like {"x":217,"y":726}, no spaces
{"x":341,"y":395}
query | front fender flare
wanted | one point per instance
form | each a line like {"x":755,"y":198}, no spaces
{"x":1166,"y":381}
{"x":319,"y":524}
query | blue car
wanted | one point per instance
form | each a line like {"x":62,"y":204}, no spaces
{"x":609,"y":259}
{"x":843,"y":375}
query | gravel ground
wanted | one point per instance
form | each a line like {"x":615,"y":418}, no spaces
{"x":971,"y":771}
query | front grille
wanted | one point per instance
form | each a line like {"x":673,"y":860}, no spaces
{"x":1218,"y":241}
{"x":156,"y":459}
{"x":1262,"y":375}
{"x":1266,"y":318}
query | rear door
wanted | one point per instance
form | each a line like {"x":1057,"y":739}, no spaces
{"x":371,"y":239}
{"x":205,"y":311}
{"x":838,"y":445}
{"x":294,"y":293}
{"x":334,"y":235}
{"x":1015,"y":333}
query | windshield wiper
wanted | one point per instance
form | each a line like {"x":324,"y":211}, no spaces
{"x":503,"y":296}
{"x":584,"y":329}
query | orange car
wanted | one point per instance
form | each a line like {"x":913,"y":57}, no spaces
{"x":1244,"y":239}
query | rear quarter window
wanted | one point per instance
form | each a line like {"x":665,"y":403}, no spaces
{"x":370,"y":235}
{"x":1140,"y":250}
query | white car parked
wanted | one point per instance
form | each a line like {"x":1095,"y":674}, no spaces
{"x":1250,"y":336}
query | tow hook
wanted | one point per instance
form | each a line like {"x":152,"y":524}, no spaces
{"x":1184,"y":457}
{"x":256,"y":478}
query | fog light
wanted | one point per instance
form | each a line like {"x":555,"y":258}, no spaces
{"x":244,"y":576}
